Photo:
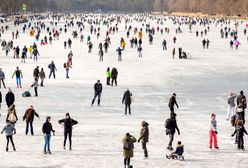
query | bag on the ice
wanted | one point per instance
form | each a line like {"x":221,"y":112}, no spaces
{"x":128,"y":145}
{"x":26,"y":94}
{"x":64,"y":65}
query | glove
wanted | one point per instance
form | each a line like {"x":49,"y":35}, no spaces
{"x":14,"y":132}
{"x":178,"y":133}
{"x":1,"y":132}
{"x":216,"y":132}
{"x":232,"y":135}
{"x":138,"y":141}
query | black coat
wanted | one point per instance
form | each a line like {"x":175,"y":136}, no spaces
{"x":47,"y":128}
{"x":36,"y":72}
{"x":240,"y":131}
{"x":172,"y":102}
{"x":10,"y":98}
{"x":98,"y":88}
{"x":114,"y":73}
{"x":171,"y":126}
{"x":127,"y":97}
{"x":68,"y":123}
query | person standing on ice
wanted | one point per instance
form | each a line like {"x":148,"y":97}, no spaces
{"x":47,"y":129}
{"x":2,"y":77}
{"x":98,"y":92}
{"x":240,"y":131}
{"x":36,"y":72}
{"x":10,"y":98}
{"x":100,"y":53}
{"x":127,"y":99}
{"x":171,"y":127}
{"x":52,"y":68}
{"x":231,"y":106}
{"x":242,"y":104}
{"x":35,"y":86}
{"x":140,"y":49}
{"x":18,"y":74}
{"x":164,"y":44}
{"x":172,"y":103}
{"x":119,"y":51}
{"x":128,"y":146}
{"x":213,"y":132}
{"x":36,"y":54}
{"x":173,"y":53}
{"x":29,"y":117}
{"x":68,"y":123}
{"x":144,"y":137}
{"x":108,"y":74}
{"x":42,"y":76}
{"x":67,"y":69}
{"x":9,"y":131}
{"x":114,"y":74}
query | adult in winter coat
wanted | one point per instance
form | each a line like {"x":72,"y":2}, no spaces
{"x":52,"y":68}
{"x":231,"y":106}
{"x":100,"y":53}
{"x":29,"y":117}
{"x":98,"y":92}
{"x":10,"y":98}
{"x":240,"y":131}
{"x":47,"y":129}
{"x":173,"y":102}
{"x":171,"y":127}
{"x":35,"y":86}
{"x":18,"y":74}
{"x":2,"y":77}
{"x":213,"y":132}
{"x":114,"y":74}
{"x":36,"y":54}
{"x":42,"y":77}
{"x":144,"y":137}
{"x":127,"y":99}
{"x":67,"y":69}
{"x":242,"y":104}
{"x":108,"y":74}
{"x":68,"y":123}
{"x":9,"y":131}
{"x":128,"y":146}
{"x":119,"y":51}
{"x":11,"y":116}
{"x":36,"y":72}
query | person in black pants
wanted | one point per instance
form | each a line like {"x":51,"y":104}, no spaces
{"x":98,"y":92}
{"x":0,"y":101}
{"x":173,"y":102}
{"x":240,"y":131}
{"x":127,"y":100}
{"x":10,"y":98}
{"x":9,"y":131}
{"x":114,"y":74}
{"x":171,"y":127}
{"x":29,"y":117}
{"x":68,"y":122}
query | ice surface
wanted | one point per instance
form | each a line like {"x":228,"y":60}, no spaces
{"x":201,"y":84}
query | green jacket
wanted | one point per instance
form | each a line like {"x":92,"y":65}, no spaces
{"x":108,"y":74}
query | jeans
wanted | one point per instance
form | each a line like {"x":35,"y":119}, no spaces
{"x":52,"y":72}
{"x":47,"y":138}
{"x":99,"y":98}
{"x":35,"y":58}
{"x":119,"y":58}
{"x":18,"y":81}
{"x":31,"y":127}
{"x":67,"y":73}
{"x":69,"y":134}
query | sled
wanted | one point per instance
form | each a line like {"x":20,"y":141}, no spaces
{"x":178,"y":157}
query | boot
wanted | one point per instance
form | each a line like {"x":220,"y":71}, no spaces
{"x":7,"y":149}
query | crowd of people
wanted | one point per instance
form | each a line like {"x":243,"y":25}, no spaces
{"x":44,"y":34}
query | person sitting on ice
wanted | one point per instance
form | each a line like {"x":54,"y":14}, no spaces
{"x":178,"y":152}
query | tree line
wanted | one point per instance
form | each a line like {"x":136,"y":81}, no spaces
{"x":227,"y":7}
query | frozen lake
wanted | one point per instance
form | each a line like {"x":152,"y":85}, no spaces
{"x":202,"y":85}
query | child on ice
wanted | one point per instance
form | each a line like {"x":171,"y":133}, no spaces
{"x":213,"y":132}
{"x":240,"y":131}
{"x":178,"y":152}
{"x":9,"y":131}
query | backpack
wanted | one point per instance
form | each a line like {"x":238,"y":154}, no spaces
{"x":168,"y":123}
{"x":26,"y":94}
{"x":12,"y":118}
{"x":128,"y":145}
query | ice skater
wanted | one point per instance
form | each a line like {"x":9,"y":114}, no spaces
{"x":98,"y":92}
